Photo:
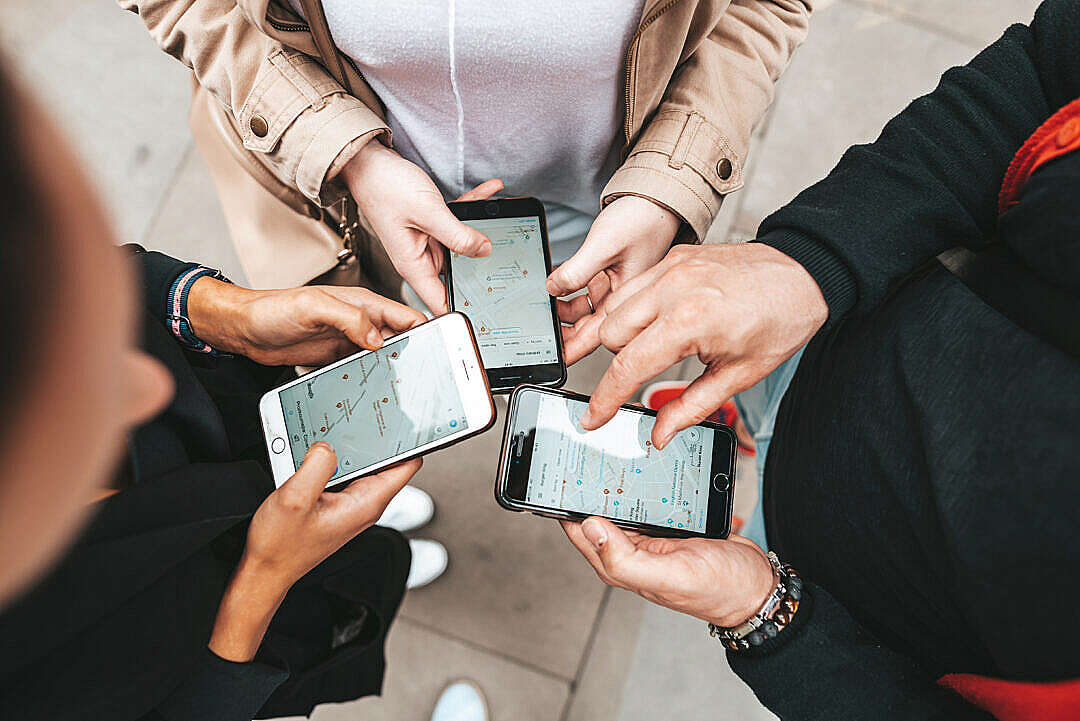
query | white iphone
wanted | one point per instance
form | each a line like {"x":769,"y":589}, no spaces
{"x":423,"y":390}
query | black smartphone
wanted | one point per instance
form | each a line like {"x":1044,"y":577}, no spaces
{"x":505,"y":296}
{"x":551,"y":467}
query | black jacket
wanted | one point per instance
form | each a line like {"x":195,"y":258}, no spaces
{"x":924,"y":466}
{"x":118,"y":630}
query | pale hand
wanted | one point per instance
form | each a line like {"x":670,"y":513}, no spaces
{"x":297,"y":527}
{"x":629,"y":236}
{"x":741,"y":309}
{"x":312,"y":325}
{"x":722,"y":582}
{"x":411,"y":219}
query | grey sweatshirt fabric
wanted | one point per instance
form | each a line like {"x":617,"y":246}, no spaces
{"x":520,"y":90}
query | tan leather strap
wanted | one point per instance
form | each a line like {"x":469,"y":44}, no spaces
{"x":324,"y":41}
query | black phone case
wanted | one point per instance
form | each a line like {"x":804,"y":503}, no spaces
{"x":527,"y":206}
{"x":560,"y":515}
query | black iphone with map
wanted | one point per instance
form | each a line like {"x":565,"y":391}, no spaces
{"x":505,"y":296}
{"x":552,"y":467}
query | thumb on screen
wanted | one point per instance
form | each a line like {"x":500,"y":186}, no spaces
{"x":307,"y":484}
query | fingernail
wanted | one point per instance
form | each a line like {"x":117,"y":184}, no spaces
{"x":587,"y":417}
{"x":594,"y":532}
{"x":374,"y":338}
{"x":321,"y":445}
{"x":665,"y":439}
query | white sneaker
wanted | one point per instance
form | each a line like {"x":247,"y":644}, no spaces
{"x":461,"y":701}
{"x":410,"y":509}
{"x":429,"y":560}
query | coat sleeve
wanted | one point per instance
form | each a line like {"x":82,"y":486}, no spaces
{"x":692,"y":151}
{"x":155,"y":273}
{"x":930,"y":181}
{"x":304,"y":119}
{"x":220,"y":690}
{"x":833,"y":669}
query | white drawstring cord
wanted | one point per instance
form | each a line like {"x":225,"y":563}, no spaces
{"x":460,"y":106}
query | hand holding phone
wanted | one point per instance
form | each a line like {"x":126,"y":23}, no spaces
{"x":504,"y":296}
{"x":552,"y":467}
{"x":719,"y":581}
{"x":312,"y":325}
{"x":299,"y":525}
{"x":295,"y":529}
{"x":407,"y":213}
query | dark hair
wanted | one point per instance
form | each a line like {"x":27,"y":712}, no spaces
{"x":27,"y":243}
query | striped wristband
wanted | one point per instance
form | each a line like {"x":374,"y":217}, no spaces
{"x":176,"y":317}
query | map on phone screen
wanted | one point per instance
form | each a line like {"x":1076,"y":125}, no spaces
{"x":505,"y":296}
{"x":615,"y":471}
{"x":377,"y":406}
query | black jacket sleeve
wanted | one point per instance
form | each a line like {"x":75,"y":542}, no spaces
{"x":156,"y":273}
{"x":833,"y":670}
{"x":930,"y":181}
{"x":220,"y":690}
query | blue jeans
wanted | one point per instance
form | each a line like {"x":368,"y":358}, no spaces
{"x":758,"y":407}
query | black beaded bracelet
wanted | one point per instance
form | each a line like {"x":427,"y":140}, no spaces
{"x":776,"y":613}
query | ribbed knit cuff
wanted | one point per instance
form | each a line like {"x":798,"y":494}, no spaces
{"x":836,"y":282}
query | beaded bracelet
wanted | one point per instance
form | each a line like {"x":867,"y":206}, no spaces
{"x":776,"y":613}
{"x":176,"y":316}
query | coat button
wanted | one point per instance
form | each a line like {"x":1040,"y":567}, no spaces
{"x":723,"y":169}
{"x":258,"y":126}
{"x":1068,"y":132}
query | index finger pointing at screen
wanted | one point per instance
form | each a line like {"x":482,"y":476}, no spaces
{"x":647,"y":355}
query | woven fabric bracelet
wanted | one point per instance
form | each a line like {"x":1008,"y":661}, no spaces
{"x":176,"y":316}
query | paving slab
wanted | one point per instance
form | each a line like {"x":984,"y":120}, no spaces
{"x":650,"y":663}
{"x":120,"y":99}
{"x":421,"y":663}
{"x":190,"y":224}
{"x":515,"y":585}
{"x":598,"y":695}
{"x":857,"y":69}
{"x":976,"y":21}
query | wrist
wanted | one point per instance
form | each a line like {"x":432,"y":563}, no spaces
{"x":261,"y":580}
{"x":777,"y":613}
{"x":834,"y":290}
{"x":661,"y":222}
{"x":251,"y":599}
{"x":347,"y":154}
{"x":216,"y":311}
{"x":360,"y":164}
{"x":761,"y":580}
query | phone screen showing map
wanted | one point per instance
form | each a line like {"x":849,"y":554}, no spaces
{"x":615,"y":471}
{"x":504,"y":295}
{"x":378,"y":405}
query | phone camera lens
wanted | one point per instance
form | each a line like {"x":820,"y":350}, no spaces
{"x":491,"y":208}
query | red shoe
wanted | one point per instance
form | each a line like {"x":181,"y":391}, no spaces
{"x":657,"y":394}
{"x":736,"y":523}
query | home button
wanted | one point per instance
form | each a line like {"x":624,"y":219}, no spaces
{"x":721,"y":483}
{"x":277,"y":445}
